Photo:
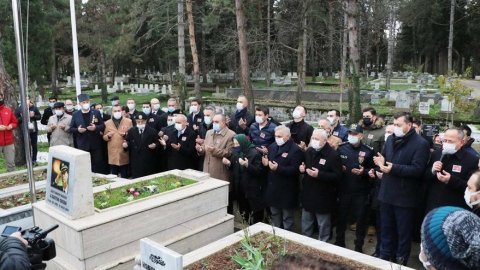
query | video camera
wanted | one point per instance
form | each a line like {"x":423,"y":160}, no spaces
{"x":39,"y":247}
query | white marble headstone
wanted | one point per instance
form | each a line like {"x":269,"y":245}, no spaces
{"x":424,"y":107}
{"x":157,"y":257}
{"x":69,"y":182}
{"x":446,"y":105}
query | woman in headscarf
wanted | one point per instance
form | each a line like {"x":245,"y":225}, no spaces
{"x":248,"y":178}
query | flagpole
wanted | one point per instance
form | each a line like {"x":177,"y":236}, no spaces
{"x":76,"y":61}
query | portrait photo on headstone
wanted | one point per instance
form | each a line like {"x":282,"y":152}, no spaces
{"x":60,"y":175}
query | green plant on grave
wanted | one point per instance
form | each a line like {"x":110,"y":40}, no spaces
{"x":458,"y":94}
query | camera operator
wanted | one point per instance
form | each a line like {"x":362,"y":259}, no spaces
{"x":13,"y":253}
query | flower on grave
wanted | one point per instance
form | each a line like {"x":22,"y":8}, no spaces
{"x":131,"y":190}
{"x":136,"y":194}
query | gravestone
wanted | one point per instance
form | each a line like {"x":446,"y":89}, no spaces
{"x":157,"y":89}
{"x":96,"y":90}
{"x":287,"y":81}
{"x":294,"y":75}
{"x":431,"y":101}
{"x":170,"y":90}
{"x":164,"y":89}
{"x":69,"y":81}
{"x":372,"y":74}
{"x":151,"y":88}
{"x":273,"y":76}
{"x":392,"y":95}
{"x":424,"y":107}
{"x":377,"y":86}
{"x":69,"y":186}
{"x":403,"y":101}
{"x":157,"y":257}
{"x":209,"y":79}
{"x":337,"y":76}
{"x":446,"y":105}
{"x":430,"y":130}
{"x":375,"y":98}
{"x":121,"y":85}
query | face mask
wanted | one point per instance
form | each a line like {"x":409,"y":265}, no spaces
{"x":468,"y":195}
{"x":156,"y":107}
{"x":2,"y":102}
{"x":259,"y":119}
{"x":117,"y":115}
{"x":69,"y":107}
{"x":387,"y":135}
{"x":115,"y":102}
{"x":58,"y":112}
{"x":207,"y":120}
{"x":170,"y":122}
{"x":171,"y":109}
{"x":449,"y":149}
{"x":236,"y":149}
{"x":141,"y":127}
{"x":279,"y":141}
{"x":178,"y":127}
{"x":315,"y":144}
{"x":131,"y":106}
{"x":296,"y":114}
{"x":398,"y":131}
{"x":165,"y":110}
{"x":51,"y":104}
{"x":353,"y":140}
{"x":216,"y":127}
{"x":367,"y":121}
{"x":332,"y":120}
{"x":86,"y":106}
{"x":239,"y":106}
{"x":147,"y":111}
{"x":193,"y":109}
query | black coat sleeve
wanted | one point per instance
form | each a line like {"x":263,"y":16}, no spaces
{"x":13,"y":254}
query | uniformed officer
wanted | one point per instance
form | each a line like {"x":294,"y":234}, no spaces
{"x":141,"y":142}
{"x":87,"y":126}
{"x":357,"y":160}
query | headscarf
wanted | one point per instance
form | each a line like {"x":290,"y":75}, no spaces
{"x":245,"y":144}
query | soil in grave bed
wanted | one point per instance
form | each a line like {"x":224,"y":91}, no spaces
{"x":20,"y":179}
{"x":136,"y":191}
{"x":272,"y":246}
{"x":20,"y":199}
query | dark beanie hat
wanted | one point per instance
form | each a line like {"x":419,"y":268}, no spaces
{"x":451,"y":238}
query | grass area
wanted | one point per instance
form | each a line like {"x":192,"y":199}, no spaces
{"x":20,"y":199}
{"x":43,"y":146}
{"x":139,"y":190}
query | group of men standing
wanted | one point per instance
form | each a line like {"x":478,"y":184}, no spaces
{"x":336,"y":174}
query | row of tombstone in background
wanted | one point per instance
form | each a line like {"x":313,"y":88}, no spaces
{"x":405,"y":100}
{"x":137,"y":88}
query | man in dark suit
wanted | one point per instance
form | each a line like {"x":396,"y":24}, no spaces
{"x":105,"y":116}
{"x":402,"y":162}
{"x":47,"y":113}
{"x":153,"y":120}
{"x":180,"y":146}
{"x":87,"y":126}
{"x":301,"y":131}
{"x":283,"y":160}
{"x":141,"y":141}
{"x":155,"y":105}
{"x":32,"y":126}
{"x":195,"y":118}
{"x":242,"y":119}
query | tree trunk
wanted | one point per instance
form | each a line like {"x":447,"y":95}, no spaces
{"x":331,"y":29}
{"x":103,"y":85}
{"x":244,"y":65}
{"x":391,"y":40}
{"x":354,"y":91}
{"x":269,"y":53}
{"x":10,"y":97}
{"x":53,"y":72}
{"x":181,"y":38}
{"x":450,"y":38}
{"x":343,"y":71}
{"x":302,"y":56}
{"x":193,"y":46}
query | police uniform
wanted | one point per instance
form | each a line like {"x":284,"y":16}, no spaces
{"x":354,"y":189}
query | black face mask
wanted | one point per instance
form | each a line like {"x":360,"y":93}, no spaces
{"x":2,"y":102}
{"x":367,"y":121}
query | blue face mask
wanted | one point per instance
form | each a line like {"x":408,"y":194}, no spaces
{"x":216,"y":127}
{"x":51,"y":104}
{"x":236,"y":149}
{"x":171,"y":109}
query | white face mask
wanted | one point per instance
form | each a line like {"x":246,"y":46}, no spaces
{"x":141,"y":127}
{"x":279,"y":141}
{"x":239,"y":106}
{"x":448,"y":149}
{"x":259,"y":119}
{"x":193,"y":109}
{"x":398,"y":131}
{"x":296,"y":114}
{"x":353,"y":140}
{"x":332,"y":120}
{"x":156,"y":107}
{"x":69,"y":107}
{"x":117,"y":115}
{"x":207,"y":120}
{"x":146,"y":111}
{"x":170,"y":122}
{"x":178,"y":126}
{"x":86,"y":106}
{"x":315,"y":144}
{"x":131,"y":106}
{"x":387,"y":135}
{"x":58,"y":112}
{"x":468,"y":196}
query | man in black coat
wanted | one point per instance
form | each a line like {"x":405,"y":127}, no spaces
{"x":201,"y":130}
{"x":284,"y":158}
{"x":403,"y":162}
{"x":354,"y":189}
{"x":47,"y":113}
{"x":449,"y":172}
{"x":242,"y":119}
{"x":180,"y":146}
{"x":155,"y":105}
{"x":322,"y":171}
{"x":153,"y":120}
{"x":141,"y":141}
{"x":13,"y":252}
{"x":195,"y":118}
{"x":32,"y":126}
{"x":301,"y":131}
{"x":87,"y":127}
